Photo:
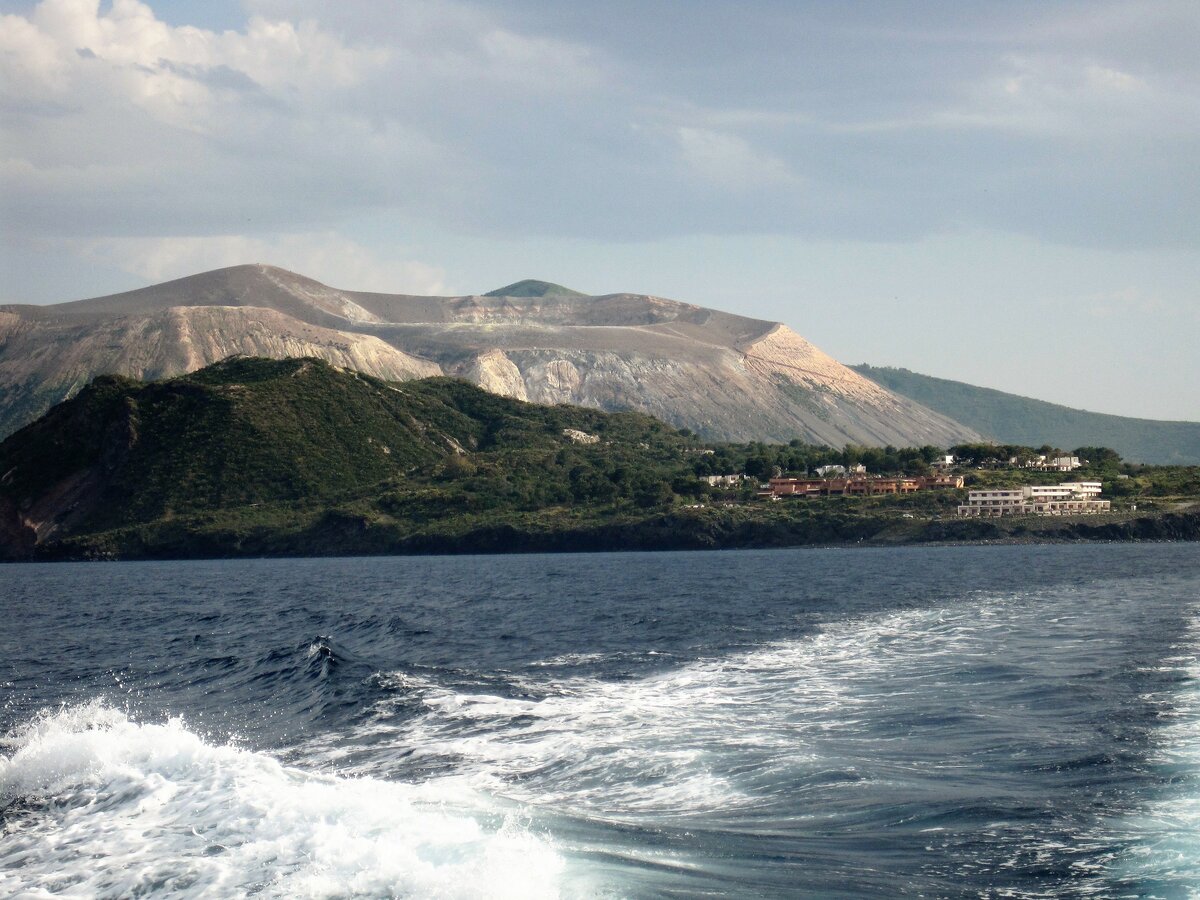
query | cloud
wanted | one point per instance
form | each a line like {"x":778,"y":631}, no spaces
{"x":728,"y":161}
{"x":327,"y":257}
{"x":1057,"y":97}
{"x":628,"y":122}
{"x":117,"y":123}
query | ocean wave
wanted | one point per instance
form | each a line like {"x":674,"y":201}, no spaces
{"x":167,"y":811}
{"x":720,"y":735}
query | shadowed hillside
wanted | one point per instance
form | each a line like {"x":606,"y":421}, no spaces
{"x":250,"y":432}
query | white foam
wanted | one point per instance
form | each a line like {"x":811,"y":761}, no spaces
{"x":99,"y":805}
{"x":1165,"y":835}
{"x":714,"y":736}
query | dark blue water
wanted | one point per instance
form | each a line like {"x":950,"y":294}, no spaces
{"x":964,"y":721}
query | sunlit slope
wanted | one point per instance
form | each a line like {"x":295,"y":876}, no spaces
{"x":727,"y":377}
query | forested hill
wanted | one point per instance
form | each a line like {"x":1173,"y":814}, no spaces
{"x":258,"y":457}
{"x":251,"y":433}
{"x":1011,"y":419}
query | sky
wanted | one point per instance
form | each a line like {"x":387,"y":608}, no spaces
{"x":1003,"y":193}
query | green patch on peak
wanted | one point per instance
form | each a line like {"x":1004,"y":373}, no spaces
{"x":533,"y":288}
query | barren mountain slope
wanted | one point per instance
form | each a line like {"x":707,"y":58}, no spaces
{"x":46,"y":358}
{"x":724,"y":376}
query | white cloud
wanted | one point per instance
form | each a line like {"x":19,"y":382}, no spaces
{"x":117,"y":122}
{"x":729,"y":161}
{"x":327,"y":257}
{"x":518,"y":120}
{"x":538,"y":62}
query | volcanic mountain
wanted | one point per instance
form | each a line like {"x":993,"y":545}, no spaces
{"x":724,"y":376}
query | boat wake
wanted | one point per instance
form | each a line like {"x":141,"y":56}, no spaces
{"x":168,"y":812}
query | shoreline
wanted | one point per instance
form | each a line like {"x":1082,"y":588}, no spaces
{"x":663,"y":533}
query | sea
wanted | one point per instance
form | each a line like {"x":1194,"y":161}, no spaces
{"x":958,"y":721}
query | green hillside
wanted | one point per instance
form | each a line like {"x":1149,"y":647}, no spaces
{"x":256,"y":457}
{"x":284,"y":440}
{"x":1012,"y":419}
{"x":533,"y":288}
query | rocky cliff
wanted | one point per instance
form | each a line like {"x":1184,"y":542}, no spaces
{"x":726,"y":377}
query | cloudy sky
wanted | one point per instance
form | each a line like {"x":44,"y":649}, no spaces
{"x":1001,"y":193}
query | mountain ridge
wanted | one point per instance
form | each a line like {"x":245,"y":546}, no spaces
{"x":725,"y":376}
{"x":293,"y":434}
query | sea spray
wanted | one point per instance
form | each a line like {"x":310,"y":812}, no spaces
{"x":97,"y":804}
{"x":1164,"y":847}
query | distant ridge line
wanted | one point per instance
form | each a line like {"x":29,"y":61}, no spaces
{"x":1013,"y":419}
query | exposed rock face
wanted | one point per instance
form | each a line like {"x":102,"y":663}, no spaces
{"x":495,"y":372}
{"x":47,"y":358}
{"x":554,"y":381}
{"x":724,"y":376}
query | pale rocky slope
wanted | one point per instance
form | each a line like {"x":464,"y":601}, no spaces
{"x":47,"y":358}
{"x":724,"y":376}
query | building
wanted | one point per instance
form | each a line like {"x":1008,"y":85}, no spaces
{"x":856,"y":486}
{"x":1071,"y":498}
{"x":933,"y":482}
{"x":723,"y":480}
{"x":1064,"y":464}
{"x":991,"y":503}
{"x":1050,"y":464}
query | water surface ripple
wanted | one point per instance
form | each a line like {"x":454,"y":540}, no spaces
{"x":935,"y":722}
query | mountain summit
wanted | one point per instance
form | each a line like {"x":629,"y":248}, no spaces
{"x":726,"y":377}
{"x":533,"y":288}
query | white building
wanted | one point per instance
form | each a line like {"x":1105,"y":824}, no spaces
{"x":1064,"y":463}
{"x":994,"y":503}
{"x":1067,"y":490}
{"x":723,"y":480}
{"x":1072,"y":498}
{"x":1046,"y":464}
{"x":831,"y":470}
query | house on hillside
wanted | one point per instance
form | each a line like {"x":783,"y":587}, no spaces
{"x":723,"y":480}
{"x":855,"y":486}
{"x":1064,"y":464}
{"x":1071,"y":498}
{"x":1052,"y":464}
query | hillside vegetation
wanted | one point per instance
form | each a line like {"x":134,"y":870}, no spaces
{"x":531,"y":287}
{"x":297,"y":457}
{"x":1020,"y":420}
{"x":256,"y":434}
